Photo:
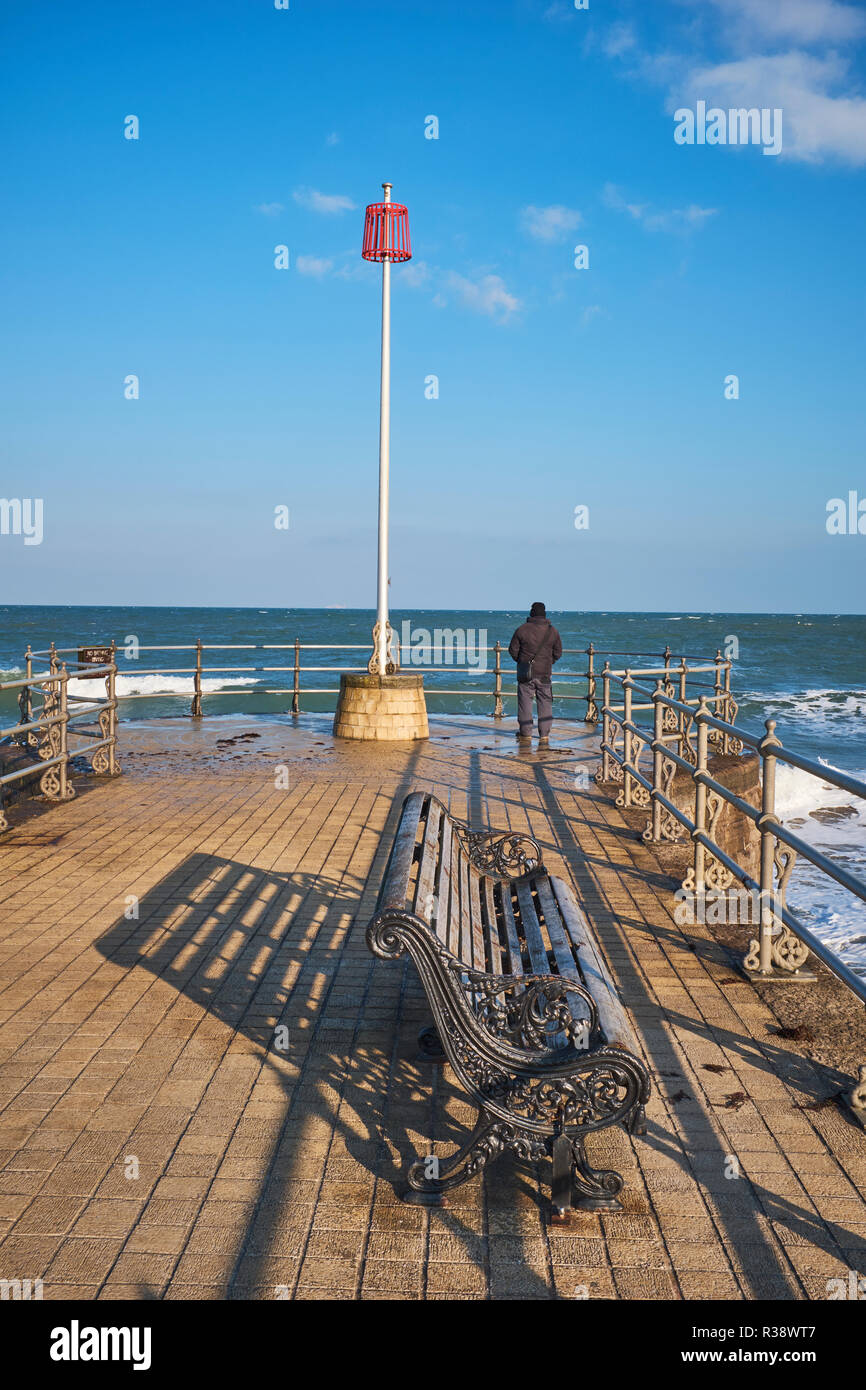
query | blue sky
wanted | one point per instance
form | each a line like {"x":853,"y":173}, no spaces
{"x":558,"y":387}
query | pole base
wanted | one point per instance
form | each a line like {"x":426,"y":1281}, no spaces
{"x":382,"y":708}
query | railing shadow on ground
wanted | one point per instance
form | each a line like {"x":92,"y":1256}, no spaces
{"x":737,"y":1212}
{"x":191,"y":933}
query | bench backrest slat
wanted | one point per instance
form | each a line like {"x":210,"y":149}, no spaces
{"x":496,"y":966}
{"x":444,"y":889}
{"x":465,"y":951}
{"x":479,"y":959}
{"x":429,"y":858}
{"x":454,"y":945}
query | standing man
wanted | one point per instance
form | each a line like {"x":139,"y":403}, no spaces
{"x":535,"y":646}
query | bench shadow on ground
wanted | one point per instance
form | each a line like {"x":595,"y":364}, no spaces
{"x":236,"y":941}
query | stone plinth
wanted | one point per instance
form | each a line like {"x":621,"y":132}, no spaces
{"x":381,"y":707}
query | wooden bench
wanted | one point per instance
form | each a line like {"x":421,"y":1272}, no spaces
{"x":523,"y":1006}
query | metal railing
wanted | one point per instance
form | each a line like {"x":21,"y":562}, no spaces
{"x":682,"y":734}
{"x":50,"y":733}
{"x":296,"y":670}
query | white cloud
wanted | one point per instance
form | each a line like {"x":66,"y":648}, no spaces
{"x":618,"y":39}
{"x":796,"y":55}
{"x":550,"y":223}
{"x":818,"y":122}
{"x":312,"y":265}
{"x":797,"y":21}
{"x":269,"y":209}
{"x":415,"y":274}
{"x":657,"y":219}
{"x":328,"y":203}
{"x":333,"y":138}
{"x":485,"y":296}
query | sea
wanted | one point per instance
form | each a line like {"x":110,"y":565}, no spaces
{"x":805,"y":671}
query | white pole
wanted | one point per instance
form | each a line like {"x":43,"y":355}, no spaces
{"x":384,"y":455}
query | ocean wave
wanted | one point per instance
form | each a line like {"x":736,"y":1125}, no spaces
{"x":799,"y":793}
{"x":831,"y":710}
{"x":162,"y":685}
{"x":833,"y":822}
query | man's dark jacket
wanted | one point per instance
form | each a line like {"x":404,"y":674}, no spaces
{"x":535,"y":633}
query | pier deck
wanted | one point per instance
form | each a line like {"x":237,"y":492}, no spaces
{"x":154,"y":1143}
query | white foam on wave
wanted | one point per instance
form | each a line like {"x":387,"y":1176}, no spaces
{"x":836,"y":711}
{"x":823,"y":905}
{"x":799,"y":793}
{"x":160,"y":685}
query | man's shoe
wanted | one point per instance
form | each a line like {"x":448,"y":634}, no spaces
{"x":543,"y":741}
{"x":522,"y":737}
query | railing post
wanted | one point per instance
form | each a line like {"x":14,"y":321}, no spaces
{"x":684,"y":675}
{"x":700,"y":853}
{"x":626,"y":738}
{"x":195,"y":710}
{"x":296,"y":687}
{"x":27,"y":708}
{"x":768,"y":847}
{"x":658,"y":760}
{"x":111,"y":685}
{"x":64,"y":732}
{"x":497,"y":681}
{"x":605,"y":722}
{"x":726,"y":746}
{"x":52,"y":660}
{"x":591,"y":707}
{"x":719,"y":706}
{"x":719,"y":688}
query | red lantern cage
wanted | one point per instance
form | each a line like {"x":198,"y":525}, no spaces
{"x":386,"y":233}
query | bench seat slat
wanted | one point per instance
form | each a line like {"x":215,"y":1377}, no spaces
{"x":566,"y":964}
{"x":560,"y":944}
{"x":515,"y":958}
{"x":531,"y":929}
{"x":611,"y":1014}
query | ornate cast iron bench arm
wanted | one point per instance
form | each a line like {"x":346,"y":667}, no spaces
{"x":535,"y":1012}
{"x":506,"y":853}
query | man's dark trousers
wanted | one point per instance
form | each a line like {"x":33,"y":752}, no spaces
{"x":542,"y":692}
